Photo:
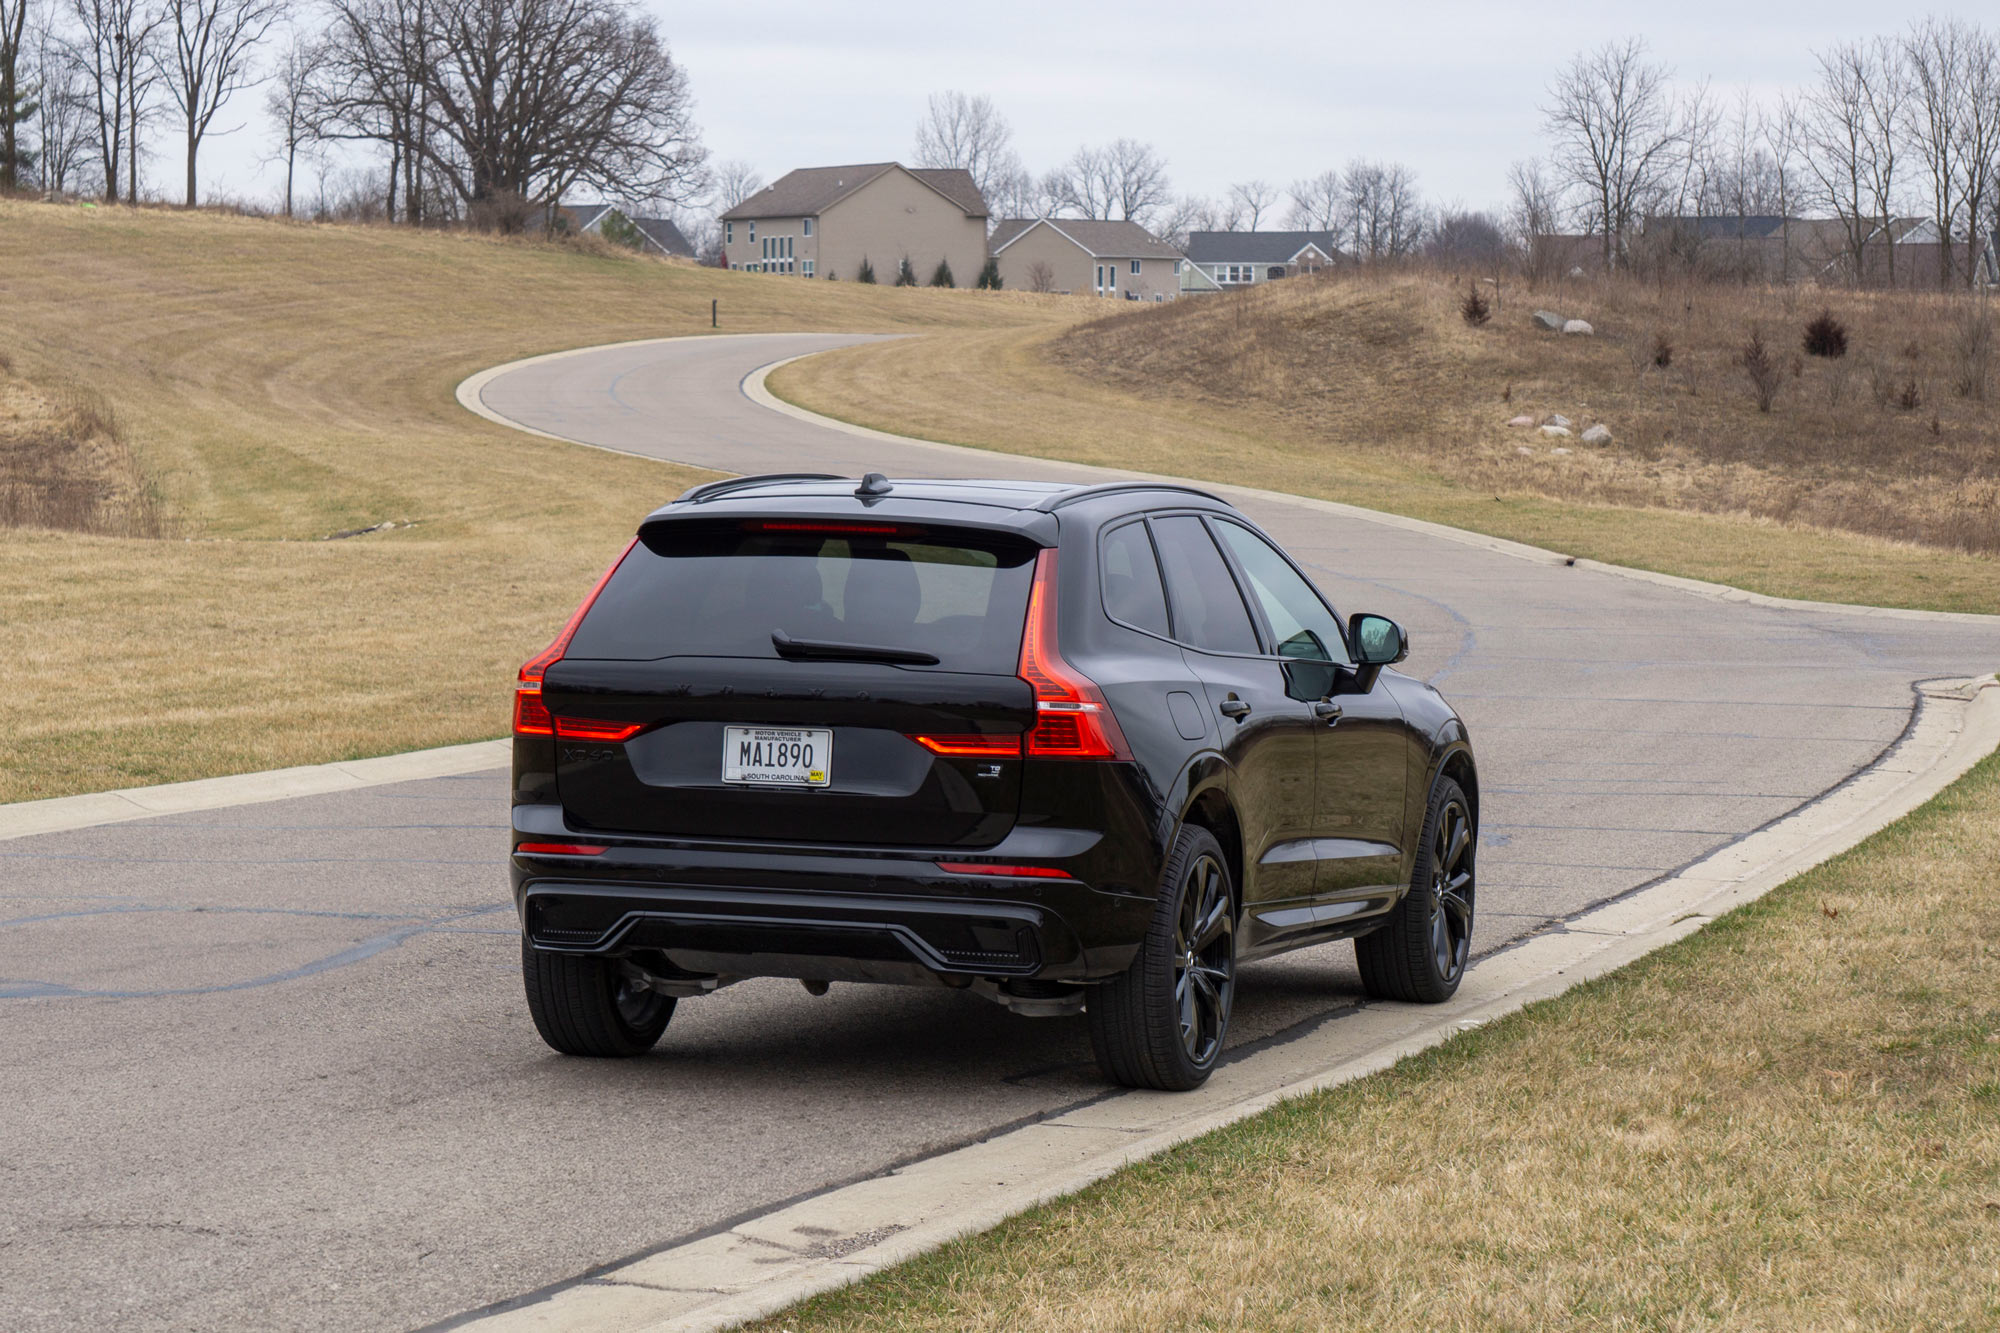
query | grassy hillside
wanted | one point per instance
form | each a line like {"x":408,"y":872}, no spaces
{"x":1373,"y":390}
{"x":260,"y":386}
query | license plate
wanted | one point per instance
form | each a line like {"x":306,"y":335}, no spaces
{"x":778,"y":756}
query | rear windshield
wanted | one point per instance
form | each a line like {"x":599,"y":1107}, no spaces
{"x":719,"y":591}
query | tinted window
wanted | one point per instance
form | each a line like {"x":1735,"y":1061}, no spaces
{"x":1208,"y":611}
{"x":1132,"y":590}
{"x":719,"y":590}
{"x":1299,"y":620}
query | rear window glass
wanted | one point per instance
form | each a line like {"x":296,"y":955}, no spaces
{"x":719,"y":591}
{"x":1208,"y":610}
{"x":1132,"y":591}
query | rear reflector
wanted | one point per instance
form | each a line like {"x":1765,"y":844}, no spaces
{"x":988,"y":747}
{"x":1007,"y":872}
{"x":1073,"y":720}
{"x":591,"y":729}
{"x":557,"y":849}
{"x":531,"y":715}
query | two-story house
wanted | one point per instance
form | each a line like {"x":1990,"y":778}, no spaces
{"x":1117,"y":259}
{"x":828,"y":222}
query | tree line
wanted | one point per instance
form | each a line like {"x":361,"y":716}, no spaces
{"x":482,"y":110}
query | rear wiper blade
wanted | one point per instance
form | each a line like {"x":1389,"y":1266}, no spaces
{"x":825,"y":650}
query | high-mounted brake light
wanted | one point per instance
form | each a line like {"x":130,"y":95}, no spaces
{"x":531,"y":715}
{"x":1072,"y":720}
{"x":1009,"y":872}
{"x":833,"y":528}
{"x":559,"y":849}
{"x":986,"y":747}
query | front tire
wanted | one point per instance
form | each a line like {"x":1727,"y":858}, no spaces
{"x":1161,"y":1024}
{"x":586,"y":1005}
{"x":1421,"y":954}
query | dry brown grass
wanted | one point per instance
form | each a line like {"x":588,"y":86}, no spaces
{"x":1790,"y":1120}
{"x":63,"y":465}
{"x":277,"y":383}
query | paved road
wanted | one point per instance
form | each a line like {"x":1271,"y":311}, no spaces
{"x":269,"y":1067}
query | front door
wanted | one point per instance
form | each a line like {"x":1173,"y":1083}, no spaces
{"x":1268,"y":737}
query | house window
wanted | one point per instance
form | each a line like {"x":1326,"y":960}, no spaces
{"x":1135,"y":268}
{"x":753,"y":232}
{"x":807,"y":268}
{"x":809,"y":226}
{"x":1177,"y":268}
{"x":728,"y":233}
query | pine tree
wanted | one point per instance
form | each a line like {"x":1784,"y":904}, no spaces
{"x":905,"y":275}
{"x":989,"y":277}
{"x":942,"y":276}
{"x":867,"y":273}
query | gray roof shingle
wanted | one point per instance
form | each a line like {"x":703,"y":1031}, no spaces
{"x":810,"y":191}
{"x":1102,"y":239}
{"x":1256,"y":247}
{"x":665,"y":236}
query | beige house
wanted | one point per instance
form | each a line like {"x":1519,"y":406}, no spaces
{"x":826,"y":222}
{"x":1116,"y":259}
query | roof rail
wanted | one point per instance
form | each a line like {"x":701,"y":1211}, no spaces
{"x":1066,"y":498}
{"x":712,"y":489}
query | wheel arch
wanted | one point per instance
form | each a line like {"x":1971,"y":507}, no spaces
{"x":1457,"y":765}
{"x":1210,"y":809}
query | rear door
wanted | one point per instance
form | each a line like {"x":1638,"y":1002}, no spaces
{"x":1267,"y":736}
{"x":802,"y":681}
{"x":1361,"y":746}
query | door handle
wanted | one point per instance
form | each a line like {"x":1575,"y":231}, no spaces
{"x":1328,"y":711}
{"x":1234,"y":708}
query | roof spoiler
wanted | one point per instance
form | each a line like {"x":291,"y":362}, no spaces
{"x":714,"y":489}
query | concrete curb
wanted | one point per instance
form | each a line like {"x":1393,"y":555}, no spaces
{"x":755,"y":388}
{"x":26,"y":818}
{"x":763,"y":1265}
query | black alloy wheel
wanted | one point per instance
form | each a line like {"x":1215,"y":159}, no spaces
{"x":1421,"y":953}
{"x":1162,"y":1023}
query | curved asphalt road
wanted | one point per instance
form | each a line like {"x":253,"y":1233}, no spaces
{"x":269,"y":1067}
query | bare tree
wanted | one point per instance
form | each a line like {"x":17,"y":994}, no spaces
{"x":734,"y":181}
{"x":1979,"y":160}
{"x":1934,"y":58}
{"x":1125,"y":180}
{"x":1253,"y":197}
{"x":1464,"y":238}
{"x":1317,"y":202}
{"x":1041,"y":278}
{"x":1783,"y":136}
{"x":114,"y":50}
{"x":63,"y":128}
{"x":967,"y":133}
{"x":1534,"y":215}
{"x":1014,"y":193}
{"x":1612,"y":116}
{"x":17,"y":106}
{"x":1385,"y":216}
{"x":209,"y":45}
{"x":1850,"y":131}
{"x":291,"y":105}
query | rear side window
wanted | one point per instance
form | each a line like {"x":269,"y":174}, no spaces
{"x":1133,"y":593}
{"x":1299,"y":620}
{"x":712,"y":590}
{"x":1208,"y":610}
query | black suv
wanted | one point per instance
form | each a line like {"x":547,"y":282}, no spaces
{"x":1074,"y":748}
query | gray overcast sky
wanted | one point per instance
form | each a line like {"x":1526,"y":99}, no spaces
{"x":1451,"y":89}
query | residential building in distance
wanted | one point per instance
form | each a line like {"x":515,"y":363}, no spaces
{"x":827,"y":222}
{"x":1244,"y":258}
{"x":1116,"y":259}
{"x":655,"y":236}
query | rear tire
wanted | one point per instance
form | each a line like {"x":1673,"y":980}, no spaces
{"x":1421,"y":954}
{"x":1161,"y":1024}
{"x":585,"y":1005}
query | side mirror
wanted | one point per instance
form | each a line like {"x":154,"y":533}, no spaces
{"x":1377,"y":642}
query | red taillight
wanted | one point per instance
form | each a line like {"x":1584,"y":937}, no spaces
{"x":1072,"y":719}
{"x":987,"y":747}
{"x":1010,"y":872}
{"x":834,"y":529}
{"x":591,"y":729}
{"x":558,"y":849}
{"x":531,"y":715}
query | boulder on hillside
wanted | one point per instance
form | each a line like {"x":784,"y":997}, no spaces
{"x":1598,"y":434}
{"x":1559,"y":452}
{"x":1522,"y":421}
{"x":1549,"y":321}
{"x":1558,"y":419}
{"x":1579,"y":327}
{"x":1556,"y":432}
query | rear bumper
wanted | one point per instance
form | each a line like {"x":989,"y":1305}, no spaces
{"x":835,"y":914}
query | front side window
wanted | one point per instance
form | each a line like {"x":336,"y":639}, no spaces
{"x":1300,"y":623}
{"x":1208,"y":610}
{"x":1133,"y":593}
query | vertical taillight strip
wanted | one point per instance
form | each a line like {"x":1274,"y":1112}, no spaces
{"x":1072,"y":719}
{"x":531,"y":715}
